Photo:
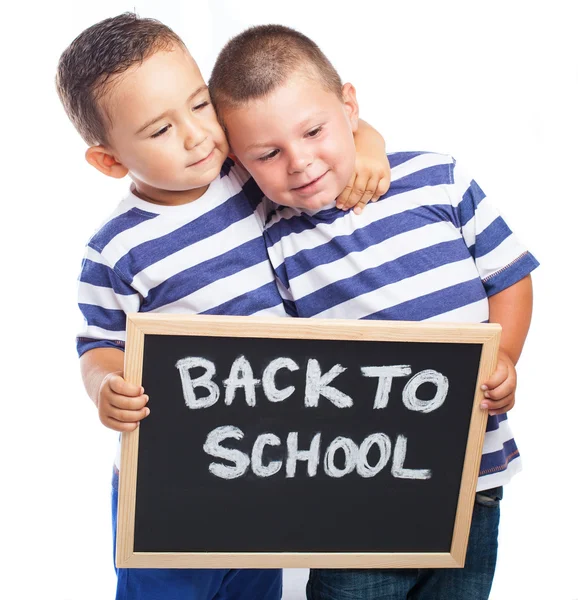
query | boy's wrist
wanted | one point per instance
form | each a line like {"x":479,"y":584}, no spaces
{"x":505,"y":354}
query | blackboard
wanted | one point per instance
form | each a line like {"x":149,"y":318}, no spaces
{"x":294,"y":442}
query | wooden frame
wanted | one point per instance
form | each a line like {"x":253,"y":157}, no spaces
{"x":138,"y":325}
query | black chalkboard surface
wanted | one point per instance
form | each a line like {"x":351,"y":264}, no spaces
{"x":295,"y":442}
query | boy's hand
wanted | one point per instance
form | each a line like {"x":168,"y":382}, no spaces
{"x":369,"y":182}
{"x":121,"y":405}
{"x":500,"y":389}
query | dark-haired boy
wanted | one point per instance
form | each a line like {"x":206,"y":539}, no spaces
{"x":187,"y":238}
{"x":433,"y":249}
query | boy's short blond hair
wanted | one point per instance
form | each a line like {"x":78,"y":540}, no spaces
{"x":262,"y":58}
{"x":88,"y":66}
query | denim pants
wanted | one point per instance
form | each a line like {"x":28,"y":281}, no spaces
{"x":193,"y":584}
{"x":473,"y":582}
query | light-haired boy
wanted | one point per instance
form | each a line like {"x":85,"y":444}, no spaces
{"x":187,"y":237}
{"x":433,"y":248}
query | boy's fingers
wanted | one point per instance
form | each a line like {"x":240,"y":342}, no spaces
{"x":360,"y":190}
{"x":371,"y":188}
{"x":355,"y":195}
{"x":118,"y":425}
{"x":120,"y":386}
{"x":128,"y":402}
{"x":365,"y":198}
{"x":498,"y":377}
{"x":382,"y":187}
{"x":497,"y":407}
{"x":501,"y":411}
{"x":504,"y":405}
{"x":358,"y":208}
{"x":500,"y":391}
{"x":343,"y":198}
{"x":128,"y":416}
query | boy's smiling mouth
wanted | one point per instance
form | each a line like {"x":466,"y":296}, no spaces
{"x":309,"y":187}
{"x":203,"y":160}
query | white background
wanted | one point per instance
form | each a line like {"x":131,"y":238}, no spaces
{"x":493,"y":83}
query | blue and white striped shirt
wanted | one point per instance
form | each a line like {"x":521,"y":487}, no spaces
{"x":205,"y":257}
{"x":433,"y":248}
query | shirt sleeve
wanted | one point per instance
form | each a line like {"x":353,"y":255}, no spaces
{"x":500,"y":257}
{"x":104,"y":299}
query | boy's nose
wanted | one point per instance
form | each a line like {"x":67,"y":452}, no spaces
{"x":299,"y":161}
{"x":194,"y":135}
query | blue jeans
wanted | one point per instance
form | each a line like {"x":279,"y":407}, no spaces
{"x":473,"y":582}
{"x":193,"y":584}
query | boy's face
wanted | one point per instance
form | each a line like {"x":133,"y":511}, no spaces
{"x":164,"y":129}
{"x":297,"y":142}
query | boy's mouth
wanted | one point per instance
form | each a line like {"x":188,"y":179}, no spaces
{"x":310,"y":186}
{"x":203,"y":160}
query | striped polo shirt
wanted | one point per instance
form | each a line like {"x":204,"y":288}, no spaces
{"x":432,"y":249}
{"x":205,"y":257}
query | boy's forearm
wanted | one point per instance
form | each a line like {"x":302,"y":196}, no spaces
{"x":512,"y":309}
{"x":96,"y":364}
{"x":368,"y":141}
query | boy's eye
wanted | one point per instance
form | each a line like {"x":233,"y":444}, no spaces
{"x":161,"y":131}
{"x":269,"y":156}
{"x":314,"y":132}
{"x":201,"y":105}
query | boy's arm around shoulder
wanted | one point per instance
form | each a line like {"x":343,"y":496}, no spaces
{"x":121,"y":405}
{"x":512,"y":309}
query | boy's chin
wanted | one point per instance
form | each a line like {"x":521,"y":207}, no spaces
{"x":318,"y":202}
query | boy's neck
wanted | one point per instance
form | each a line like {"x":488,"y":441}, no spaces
{"x":168,"y":198}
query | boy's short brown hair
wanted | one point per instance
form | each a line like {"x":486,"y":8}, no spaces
{"x":260,"y":59}
{"x":98,"y":54}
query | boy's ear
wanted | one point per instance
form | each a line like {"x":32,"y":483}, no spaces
{"x":102,"y":159}
{"x":350,"y":104}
